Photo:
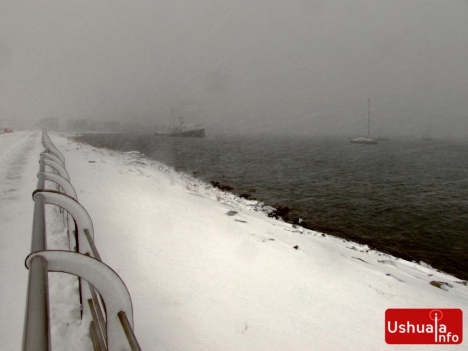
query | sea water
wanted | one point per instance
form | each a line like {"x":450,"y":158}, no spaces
{"x":406,"y":197}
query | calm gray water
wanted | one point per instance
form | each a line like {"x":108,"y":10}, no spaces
{"x":405,"y":197}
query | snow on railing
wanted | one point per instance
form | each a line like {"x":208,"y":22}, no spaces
{"x":103,"y":295}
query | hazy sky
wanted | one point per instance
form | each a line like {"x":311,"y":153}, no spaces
{"x":297,"y":66}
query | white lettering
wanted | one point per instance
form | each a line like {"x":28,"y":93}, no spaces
{"x":420,"y":328}
{"x":441,"y":336}
{"x":414,"y":328}
{"x":390,"y":327}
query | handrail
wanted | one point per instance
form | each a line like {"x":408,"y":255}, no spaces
{"x":58,"y":167}
{"x":36,"y":325}
{"x":51,"y":157}
{"x":55,"y":152}
{"x":105,"y":298}
{"x":50,"y":148}
{"x":62,"y":182}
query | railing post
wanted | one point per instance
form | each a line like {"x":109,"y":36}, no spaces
{"x":97,"y":328}
{"x":132,"y":340}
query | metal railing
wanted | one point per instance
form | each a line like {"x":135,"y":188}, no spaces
{"x":104,"y":297}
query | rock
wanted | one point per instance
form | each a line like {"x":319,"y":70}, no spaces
{"x":221,"y":187}
{"x":247,"y":196}
{"x":300,"y":221}
{"x":441,"y":285}
{"x":280,"y":212}
{"x":462,"y":282}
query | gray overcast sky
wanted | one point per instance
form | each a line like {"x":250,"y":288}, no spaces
{"x":297,"y":66}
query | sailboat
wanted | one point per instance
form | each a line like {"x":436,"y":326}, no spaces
{"x":364,"y":140}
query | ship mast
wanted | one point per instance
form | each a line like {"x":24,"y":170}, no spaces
{"x":172,"y":113}
{"x":368,"y":118}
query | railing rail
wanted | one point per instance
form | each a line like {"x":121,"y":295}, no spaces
{"x":105,"y":298}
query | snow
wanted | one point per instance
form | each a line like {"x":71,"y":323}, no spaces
{"x":202,"y":277}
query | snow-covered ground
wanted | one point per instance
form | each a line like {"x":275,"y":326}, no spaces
{"x":205,"y":270}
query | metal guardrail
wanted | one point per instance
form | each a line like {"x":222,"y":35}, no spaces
{"x":104,"y":298}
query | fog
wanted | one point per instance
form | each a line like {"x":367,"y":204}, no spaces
{"x":305,"y":67}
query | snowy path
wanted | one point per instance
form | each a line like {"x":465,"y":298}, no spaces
{"x":14,"y":153}
{"x":19,"y":156}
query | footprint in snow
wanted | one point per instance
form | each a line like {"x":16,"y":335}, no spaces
{"x":389,"y":275}
{"x":389,"y":262}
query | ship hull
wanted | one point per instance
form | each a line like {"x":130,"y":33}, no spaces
{"x":364,"y":141}
{"x":192,"y":133}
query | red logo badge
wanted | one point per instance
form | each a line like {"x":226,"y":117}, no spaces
{"x":423,"y":326}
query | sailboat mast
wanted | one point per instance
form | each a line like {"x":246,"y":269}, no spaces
{"x":368,"y":118}
{"x":172,"y":113}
